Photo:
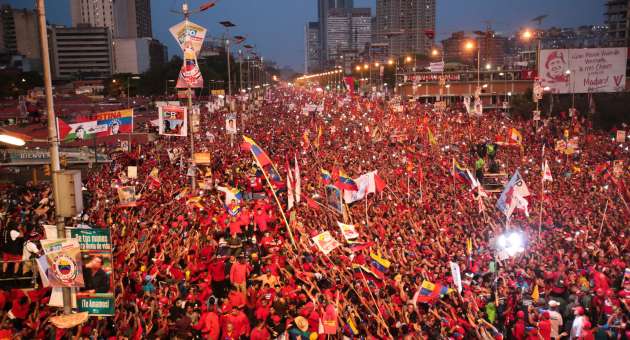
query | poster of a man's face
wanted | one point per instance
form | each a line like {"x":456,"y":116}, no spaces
{"x":556,"y":67}
{"x":80,"y":132}
{"x":115,"y":127}
{"x":97,"y":270}
{"x":333,"y":198}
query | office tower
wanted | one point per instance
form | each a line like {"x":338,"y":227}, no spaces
{"x":312,"y":57}
{"x":404,"y":25}
{"x":323,"y":8}
{"x":618,"y":21}
{"x":80,"y":52}
{"x":19,"y":38}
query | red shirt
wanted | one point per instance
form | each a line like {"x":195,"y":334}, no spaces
{"x":260,"y":334}
{"x":217,"y":270}
{"x":544,"y":329}
{"x":238,"y":272}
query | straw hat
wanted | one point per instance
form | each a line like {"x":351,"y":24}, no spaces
{"x":301,"y":323}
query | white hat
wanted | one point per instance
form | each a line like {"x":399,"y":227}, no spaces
{"x":554,"y":303}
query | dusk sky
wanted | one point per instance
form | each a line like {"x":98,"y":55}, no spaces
{"x":276,"y":27}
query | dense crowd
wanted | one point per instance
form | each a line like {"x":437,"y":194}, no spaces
{"x":203,"y":268}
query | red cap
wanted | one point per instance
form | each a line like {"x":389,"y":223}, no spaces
{"x":579,"y":310}
{"x":520,"y":314}
{"x":586,"y":325}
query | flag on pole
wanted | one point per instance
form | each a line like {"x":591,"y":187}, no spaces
{"x":345,"y":182}
{"x":257,"y":151}
{"x":515,"y":137}
{"x":298,"y":181}
{"x":154,"y":177}
{"x":547,"y":173}
{"x":429,"y":292}
{"x":513,"y":196}
{"x":325,"y":175}
{"x":462,"y":174}
{"x":290,"y":188}
{"x":432,"y":139}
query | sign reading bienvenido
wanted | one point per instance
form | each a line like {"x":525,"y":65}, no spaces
{"x":97,"y":297}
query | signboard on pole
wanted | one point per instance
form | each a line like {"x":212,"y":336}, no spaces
{"x":97,"y":297}
{"x":173,"y":121}
{"x":61,"y":263}
{"x":585,"y":70}
{"x":437,"y":67}
{"x":189,"y":34}
{"x":621,"y":136}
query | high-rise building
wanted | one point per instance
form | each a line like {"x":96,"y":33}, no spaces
{"x":124,"y":18}
{"x":312,"y":57}
{"x":404,"y":25}
{"x":349,"y":33}
{"x":323,"y":8}
{"x":19,"y":35}
{"x":95,"y":13}
{"x":133,"y":18}
{"x":453,"y":49}
{"x":618,"y":22}
{"x":80,"y":52}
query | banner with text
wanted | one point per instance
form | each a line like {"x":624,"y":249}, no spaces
{"x":583,"y":70}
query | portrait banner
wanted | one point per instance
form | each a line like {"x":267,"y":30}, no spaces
{"x":97,"y":296}
{"x":173,"y":121}
{"x":333,"y":198}
{"x":584,"y":70}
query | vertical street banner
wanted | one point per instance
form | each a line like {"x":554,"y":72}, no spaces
{"x":584,"y":70}
{"x":173,"y":121}
{"x":189,"y":74}
{"x":97,"y":296}
{"x":61,"y":263}
{"x":195,"y":118}
{"x":457,"y":277}
{"x":188,"y":34}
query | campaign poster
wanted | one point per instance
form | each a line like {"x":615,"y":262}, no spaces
{"x":61,"y":263}
{"x":325,"y":242}
{"x":173,"y":121}
{"x":584,"y":70}
{"x":189,"y":74}
{"x":230,"y":124}
{"x":333,"y":198}
{"x":349,"y":231}
{"x":127,"y":197}
{"x":97,"y":296}
{"x":189,"y":35}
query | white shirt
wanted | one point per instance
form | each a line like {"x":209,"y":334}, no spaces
{"x":555,"y":319}
{"x":576,"y":328}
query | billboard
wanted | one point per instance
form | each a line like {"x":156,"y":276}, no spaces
{"x":584,"y":70}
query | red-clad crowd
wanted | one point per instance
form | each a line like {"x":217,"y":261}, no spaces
{"x":230,"y":261}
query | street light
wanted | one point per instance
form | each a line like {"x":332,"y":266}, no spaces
{"x":390,"y":62}
{"x":470,"y":46}
{"x":488,"y":66}
{"x":408,"y":59}
{"x":358,"y":68}
{"x":11,"y":140}
{"x":434,"y":52}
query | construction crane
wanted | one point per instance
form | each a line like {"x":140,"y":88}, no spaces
{"x":539,"y":19}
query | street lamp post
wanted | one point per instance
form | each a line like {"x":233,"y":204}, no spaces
{"x":228,"y":24}
{"x":52,"y":135}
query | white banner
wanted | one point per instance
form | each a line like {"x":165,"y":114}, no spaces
{"x":366,"y":185}
{"x":583,"y":70}
{"x":457,"y":277}
{"x":437,"y":67}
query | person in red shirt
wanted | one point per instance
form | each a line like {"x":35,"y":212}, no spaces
{"x":587,"y":332}
{"x":544,"y":326}
{"x":209,"y":322}
{"x":238,"y":274}
{"x":260,"y":332}
{"x":217,"y":271}
{"x":519,"y":328}
{"x":239,"y":321}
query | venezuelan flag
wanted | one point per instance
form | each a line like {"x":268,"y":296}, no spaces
{"x":345,"y":182}
{"x":379,"y":263}
{"x":326,"y":176}
{"x":461,"y":173}
{"x":429,"y":292}
{"x":257,"y":151}
{"x":233,"y":210}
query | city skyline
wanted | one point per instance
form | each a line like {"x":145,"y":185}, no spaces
{"x":272,"y":26}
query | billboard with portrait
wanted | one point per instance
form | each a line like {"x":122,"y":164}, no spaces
{"x":173,"y":121}
{"x":585,"y":70}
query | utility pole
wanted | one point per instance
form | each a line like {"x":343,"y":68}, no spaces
{"x":52,"y":136}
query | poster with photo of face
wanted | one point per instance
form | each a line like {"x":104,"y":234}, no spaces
{"x":333,"y":198}
{"x":173,"y":121}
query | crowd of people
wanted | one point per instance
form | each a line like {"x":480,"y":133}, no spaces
{"x":195,"y":265}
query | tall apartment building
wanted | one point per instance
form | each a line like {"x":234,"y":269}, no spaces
{"x":312,"y":56}
{"x":453,"y":49}
{"x":323,"y":9}
{"x":618,"y":21}
{"x":19,"y":36}
{"x":403,"y":23}
{"x":125,"y":18}
{"x":95,"y":13}
{"x":80,"y":52}
{"x":349,"y":33}
{"x":133,"y":19}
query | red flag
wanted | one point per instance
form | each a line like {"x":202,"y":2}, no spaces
{"x":311,"y":203}
{"x":335,"y":174}
{"x":379,"y":182}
